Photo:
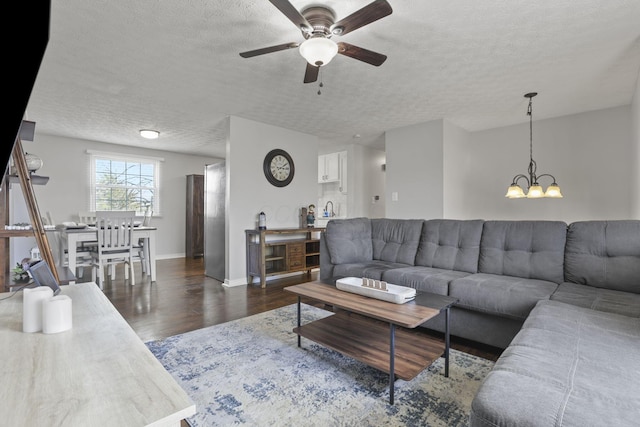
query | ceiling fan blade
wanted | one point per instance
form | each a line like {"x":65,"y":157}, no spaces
{"x":269,"y":49}
{"x":359,"y":53}
{"x":311,"y":75}
{"x":293,"y":14}
{"x":368,"y":14}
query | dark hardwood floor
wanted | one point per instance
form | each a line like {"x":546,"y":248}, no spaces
{"x":184,"y":299}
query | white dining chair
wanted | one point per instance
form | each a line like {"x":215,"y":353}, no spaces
{"x":139,"y":247}
{"x":115,"y":244}
{"x":59,"y":245}
{"x":87,"y":217}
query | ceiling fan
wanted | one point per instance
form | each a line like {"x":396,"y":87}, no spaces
{"x":318,"y":24}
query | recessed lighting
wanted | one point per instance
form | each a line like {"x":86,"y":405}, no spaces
{"x":149,"y":134}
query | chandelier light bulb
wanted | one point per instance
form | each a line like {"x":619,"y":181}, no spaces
{"x":515,"y":192}
{"x":553,"y":191}
{"x":535,"y":192}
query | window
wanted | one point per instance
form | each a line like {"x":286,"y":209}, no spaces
{"x":124,"y":183}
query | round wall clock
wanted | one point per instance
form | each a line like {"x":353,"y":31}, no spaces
{"x":278,"y":167}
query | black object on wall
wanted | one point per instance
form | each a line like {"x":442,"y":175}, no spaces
{"x":23,"y":59}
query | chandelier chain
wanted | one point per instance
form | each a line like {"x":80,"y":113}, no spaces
{"x":530,"y":113}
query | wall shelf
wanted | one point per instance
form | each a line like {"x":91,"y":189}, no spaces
{"x":26,"y":180}
{"x":35,"y":179}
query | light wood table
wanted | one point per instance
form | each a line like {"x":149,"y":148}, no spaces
{"x":365,"y":329}
{"x":99,"y":373}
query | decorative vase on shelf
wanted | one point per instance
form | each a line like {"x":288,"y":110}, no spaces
{"x":33,"y":162}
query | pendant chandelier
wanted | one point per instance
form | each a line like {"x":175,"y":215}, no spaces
{"x":534,"y":190}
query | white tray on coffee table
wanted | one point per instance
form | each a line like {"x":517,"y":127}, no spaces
{"x":394,"y":293}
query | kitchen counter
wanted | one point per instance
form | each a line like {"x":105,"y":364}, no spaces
{"x":321,"y":222}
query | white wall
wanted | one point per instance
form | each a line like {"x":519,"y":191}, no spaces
{"x":414,"y":156}
{"x":249,"y":192}
{"x":590,"y":154}
{"x":374,"y":180}
{"x":456,"y":161}
{"x":635,"y":177}
{"x":66,"y":163}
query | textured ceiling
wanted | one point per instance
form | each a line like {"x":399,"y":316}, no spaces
{"x":112,"y":68}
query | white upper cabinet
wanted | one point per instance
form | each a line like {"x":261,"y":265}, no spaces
{"x":329,"y":168}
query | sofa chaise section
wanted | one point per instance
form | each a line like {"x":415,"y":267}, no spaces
{"x":575,"y":361}
{"x":568,"y":366}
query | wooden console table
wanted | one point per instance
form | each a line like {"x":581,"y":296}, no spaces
{"x":97,"y":374}
{"x":281,"y":251}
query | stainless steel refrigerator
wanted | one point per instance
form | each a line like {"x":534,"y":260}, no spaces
{"x":214,"y":221}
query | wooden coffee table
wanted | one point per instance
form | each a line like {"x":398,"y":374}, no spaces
{"x":365,"y":329}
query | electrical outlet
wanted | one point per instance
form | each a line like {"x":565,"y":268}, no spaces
{"x":394,"y":196}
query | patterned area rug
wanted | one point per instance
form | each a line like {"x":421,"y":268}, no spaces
{"x":251,"y":372}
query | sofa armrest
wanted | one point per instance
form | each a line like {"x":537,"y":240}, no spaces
{"x":326,"y":268}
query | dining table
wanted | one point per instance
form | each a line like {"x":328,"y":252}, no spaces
{"x":72,"y":236}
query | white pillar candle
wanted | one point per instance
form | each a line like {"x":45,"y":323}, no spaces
{"x":56,"y":314}
{"x":32,"y":307}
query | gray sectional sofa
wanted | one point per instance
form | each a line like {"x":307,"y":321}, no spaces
{"x":563,"y":300}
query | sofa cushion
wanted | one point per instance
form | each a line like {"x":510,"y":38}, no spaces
{"x":349,"y":240}
{"x":434,"y":280}
{"x":505,"y":296}
{"x":528,"y":249}
{"x":604,"y":254}
{"x":450,"y":244}
{"x":625,"y":303}
{"x":396,"y":240}
{"x":568,"y":366}
{"x":372,"y":269}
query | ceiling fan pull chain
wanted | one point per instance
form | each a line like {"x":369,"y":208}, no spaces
{"x":321,"y":85}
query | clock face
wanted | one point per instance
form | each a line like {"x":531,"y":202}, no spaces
{"x":278,"y":168}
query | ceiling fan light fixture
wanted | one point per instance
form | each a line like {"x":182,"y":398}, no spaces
{"x":318,"y":51}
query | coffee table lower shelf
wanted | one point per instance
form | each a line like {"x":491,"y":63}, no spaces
{"x":368,"y":341}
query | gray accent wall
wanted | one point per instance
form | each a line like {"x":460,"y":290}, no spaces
{"x":442,"y":171}
{"x":635,"y":176}
{"x":592,"y":155}
{"x":414,"y":171}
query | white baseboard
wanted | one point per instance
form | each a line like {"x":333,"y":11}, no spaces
{"x":256,"y":280}
{"x":235,"y":282}
{"x":170,"y":256}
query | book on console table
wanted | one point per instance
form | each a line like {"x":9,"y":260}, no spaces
{"x":376,"y":289}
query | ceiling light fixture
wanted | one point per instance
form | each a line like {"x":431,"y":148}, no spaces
{"x":534,"y":190}
{"x":318,"y":50}
{"x":149,"y":134}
